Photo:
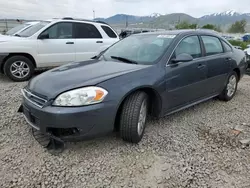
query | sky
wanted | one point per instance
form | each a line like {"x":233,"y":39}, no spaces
{"x":45,"y":9}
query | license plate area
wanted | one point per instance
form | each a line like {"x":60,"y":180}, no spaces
{"x":29,"y":115}
{"x":26,"y":112}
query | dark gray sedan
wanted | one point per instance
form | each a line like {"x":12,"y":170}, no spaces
{"x":146,"y":74}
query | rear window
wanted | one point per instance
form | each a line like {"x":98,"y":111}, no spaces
{"x":109,"y":32}
{"x":212,"y":45}
{"x":227,"y":47}
{"x":86,"y":31}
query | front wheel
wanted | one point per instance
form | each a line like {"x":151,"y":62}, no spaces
{"x":133,"y":117}
{"x":19,"y":68}
{"x":230,"y":88}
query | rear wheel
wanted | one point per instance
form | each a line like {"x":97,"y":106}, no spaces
{"x":133,"y":117}
{"x":230,"y":88}
{"x":19,"y":68}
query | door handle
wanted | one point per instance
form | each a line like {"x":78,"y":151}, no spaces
{"x":228,"y":59}
{"x":99,"y":41}
{"x":69,"y":42}
{"x":201,"y":66}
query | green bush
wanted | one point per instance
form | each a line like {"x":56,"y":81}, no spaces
{"x":242,"y":44}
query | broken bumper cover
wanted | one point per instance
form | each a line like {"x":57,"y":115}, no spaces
{"x":70,"y":123}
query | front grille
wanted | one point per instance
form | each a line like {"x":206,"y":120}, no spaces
{"x":34,"y":99}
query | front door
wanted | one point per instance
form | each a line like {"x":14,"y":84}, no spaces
{"x":185,"y":80}
{"x":59,"y":47}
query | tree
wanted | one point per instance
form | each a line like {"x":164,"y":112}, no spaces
{"x":193,"y":26}
{"x":212,"y":27}
{"x":185,"y":25}
{"x":238,"y":27}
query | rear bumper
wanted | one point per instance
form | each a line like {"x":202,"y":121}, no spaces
{"x":82,"y":122}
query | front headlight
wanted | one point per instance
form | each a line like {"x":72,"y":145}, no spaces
{"x":81,"y":97}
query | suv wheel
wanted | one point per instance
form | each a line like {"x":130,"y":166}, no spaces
{"x":133,"y":117}
{"x":230,"y":88}
{"x":19,"y":68}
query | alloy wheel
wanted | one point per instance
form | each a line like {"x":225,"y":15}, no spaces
{"x":142,"y":118}
{"x":19,"y":69}
{"x":231,"y":86}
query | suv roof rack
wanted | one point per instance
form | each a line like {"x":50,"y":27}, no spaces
{"x":79,"y":19}
{"x":67,"y":18}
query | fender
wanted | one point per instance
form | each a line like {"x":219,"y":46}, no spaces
{"x":2,"y":58}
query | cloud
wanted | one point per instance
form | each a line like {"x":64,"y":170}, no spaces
{"x":44,"y":9}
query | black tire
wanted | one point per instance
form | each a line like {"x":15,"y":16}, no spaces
{"x":224,"y":96}
{"x":129,"y":118}
{"x":28,"y":64}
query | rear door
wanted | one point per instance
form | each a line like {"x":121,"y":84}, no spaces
{"x":58,"y":48}
{"x":88,"y":41}
{"x":218,"y":59}
{"x":185,"y":81}
{"x":109,"y":36}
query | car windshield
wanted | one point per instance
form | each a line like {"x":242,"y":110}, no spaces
{"x":16,"y":29}
{"x":33,"y":29}
{"x":140,"y":49}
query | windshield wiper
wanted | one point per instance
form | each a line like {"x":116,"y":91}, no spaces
{"x":124,"y":59}
{"x":17,"y":35}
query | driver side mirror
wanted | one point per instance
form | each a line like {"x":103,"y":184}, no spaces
{"x":43,"y":36}
{"x":182,"y":58}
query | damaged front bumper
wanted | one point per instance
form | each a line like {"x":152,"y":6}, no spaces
{"x":48,"y":140}
{"x":70,"y":123}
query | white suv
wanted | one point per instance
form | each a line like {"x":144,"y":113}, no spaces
{"x":53,"y":43}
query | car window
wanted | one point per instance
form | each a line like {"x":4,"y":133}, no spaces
{"x":109,"y":31}
{"x":212,"y":45}
{"x":86,"y":31}
{"x":60,"y":31}
{"x":144,"y":49}
{"x":33,"y":29}
{"x":16,"y":29}
{"x":227,"y":47}
{"x":159,"y":42}
{"x":189,"y":45}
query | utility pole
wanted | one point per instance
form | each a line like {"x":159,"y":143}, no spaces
{"x":126,"y":21}
{"x":6,"y":24}
{"x":93,"y":14}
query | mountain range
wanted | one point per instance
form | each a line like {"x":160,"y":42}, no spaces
{"x":222,"y":19}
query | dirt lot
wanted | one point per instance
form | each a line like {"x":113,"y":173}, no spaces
{"x":197,"y":147}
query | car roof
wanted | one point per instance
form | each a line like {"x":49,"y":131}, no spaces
{"x":32,"y":23}
{"x":80,"y":20}
{"x":182,"y":31}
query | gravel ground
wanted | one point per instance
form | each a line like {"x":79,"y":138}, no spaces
{"x":198,"y":147}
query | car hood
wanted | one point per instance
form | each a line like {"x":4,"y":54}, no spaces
{"x":79,"y":74}
{"x":8,"y":38}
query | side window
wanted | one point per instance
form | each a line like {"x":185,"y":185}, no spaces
{"x":189,"y":45}
{"x":86,"y":31}
{"x":60,"y":31}
{"x":226,"y":46}
{"x":109,"y":31}
{"x":212,"y":45}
